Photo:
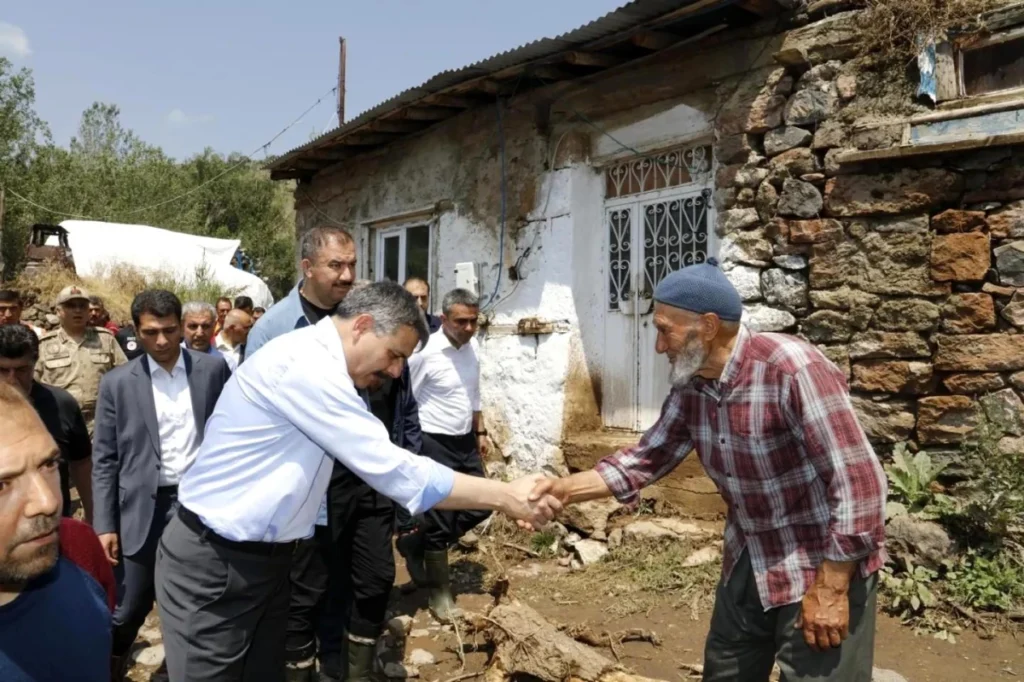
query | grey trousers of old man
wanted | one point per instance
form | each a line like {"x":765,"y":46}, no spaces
{"x":745,"y":640}
{"x":223,"y":605}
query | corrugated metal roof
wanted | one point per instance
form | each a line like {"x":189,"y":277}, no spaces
{"x":622,"y":19}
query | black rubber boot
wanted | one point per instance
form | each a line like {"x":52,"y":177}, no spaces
{"x":410,"y":546}
{"x":442,"y":604}
{"x":360,"y":659}
{"x":304,"y":671}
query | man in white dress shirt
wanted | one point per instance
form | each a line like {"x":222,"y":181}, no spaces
{"x":150,"y":418}
{"x":446,"y":383}
{"x":231,"y":339}
{"x":261,"y":473}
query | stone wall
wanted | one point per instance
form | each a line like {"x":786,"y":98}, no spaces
{"x":909,"y":275}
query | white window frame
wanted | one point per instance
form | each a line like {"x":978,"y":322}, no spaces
{"x":401,"y":231}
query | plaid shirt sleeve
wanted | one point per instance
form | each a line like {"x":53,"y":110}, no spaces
{"x":839,"y":451}
{"x":661,"y":450}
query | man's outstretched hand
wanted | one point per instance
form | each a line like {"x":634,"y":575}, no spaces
{"x":530,"y":508}
{"x":825,"y":609}
{"x":554,"y":489}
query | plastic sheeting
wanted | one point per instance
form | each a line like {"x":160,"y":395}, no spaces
{"x":97,"y":245}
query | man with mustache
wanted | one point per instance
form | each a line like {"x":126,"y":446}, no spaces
{"x":55,"y":586}
{"x":771,"y":420}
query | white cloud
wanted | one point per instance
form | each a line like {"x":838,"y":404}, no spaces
{"x":178,"y":117}
{"x":13,"y":41}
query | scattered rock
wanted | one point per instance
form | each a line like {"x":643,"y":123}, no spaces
{"x":703,"y":556}
{"x":1010,"y":263}
{"x":799,"y":199}
{"x":570,"y":540}
{"x":891,"y":421}
{"x":421,"y":657}
{"x":946,"y":419}
{"x":400,"y":671}
{"x":906,"y":191}
{"x":846,"y":86}
{"x":761,"y":318}
{"x":1005,"y":409}
{"x":960,"y":257}
{"x":968,"y":314}
{"x":663,"y":528}
{"x":747,"y":281}
{"x":400,"y":626}
{"x":151,"y":656}
{"x":952,"y":221}
{"x":590,"y":517}
{"x":615,"y":538}
{"x":784,"y":289}
{"x":785,"y":138}
{"x":980,"y":353}
{"x":419,"y":633}
{"x":973,"y":384}
{"x":469,"y":541}
{"x":891,"y":345}
{"x":883,"y":675}
{"x":590,"y":551}
{"x":565,"y":561}
{"x":925,"y":541}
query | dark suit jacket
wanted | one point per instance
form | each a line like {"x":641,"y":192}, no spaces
{"x":126,"y":442}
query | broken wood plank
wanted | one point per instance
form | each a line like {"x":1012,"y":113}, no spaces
{"x":596,"y":59}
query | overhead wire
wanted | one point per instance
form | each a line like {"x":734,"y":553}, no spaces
{"x":246,"y":160}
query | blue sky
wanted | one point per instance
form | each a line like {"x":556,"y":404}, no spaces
{"x":230,"y":74}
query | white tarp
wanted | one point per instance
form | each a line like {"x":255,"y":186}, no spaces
{"x":98,"y":245}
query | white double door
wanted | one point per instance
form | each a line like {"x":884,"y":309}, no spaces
{"x":647,"y":237}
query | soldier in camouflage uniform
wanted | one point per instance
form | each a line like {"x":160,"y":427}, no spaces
{"x":76,"y":356}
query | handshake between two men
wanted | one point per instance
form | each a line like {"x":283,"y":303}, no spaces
{"x":536,"y":499}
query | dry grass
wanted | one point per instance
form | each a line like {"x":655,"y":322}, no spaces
{"x":895,"y":30}
{"x":118,"y":285}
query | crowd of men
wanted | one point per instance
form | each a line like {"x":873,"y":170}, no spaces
{"x":248,"y":471}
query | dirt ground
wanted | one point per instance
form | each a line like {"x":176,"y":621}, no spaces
{"x":572,"y":598}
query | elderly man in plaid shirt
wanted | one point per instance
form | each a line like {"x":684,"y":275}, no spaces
{"x":771,"y":420}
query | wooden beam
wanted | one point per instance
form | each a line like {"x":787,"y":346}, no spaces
{"x":415,"y":113}
{"x":691,"y":9}
{"x":762,"y":8}
{"x":394,"y":126}
{"x":452,"y":101}
{"x":367,"y":139}
{"x":596,"y":59}
{"x":552,"y":73}
{"x":654,"y":40}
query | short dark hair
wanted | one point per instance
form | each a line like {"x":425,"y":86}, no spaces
{"x":224,"y":299}
{"x":243,"y":302}
{"x":317,"y":238}
{"x":259,"y":309}
{"x":459,"y":297}
{"x":155,"y":302}
{"x":390,"y":305}
{"x":17,"y":341}
{"x":10,"y":296}
{"x":96,"y":300}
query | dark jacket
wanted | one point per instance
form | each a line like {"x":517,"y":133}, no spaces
{"x":126,"y":442}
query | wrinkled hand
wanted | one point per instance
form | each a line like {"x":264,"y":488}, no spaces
{"x":529,"y":509}
{"x":483,"y":445}
{"x":111,"y":547}
{"x":824,"y":617}
{"x":555,"y":488}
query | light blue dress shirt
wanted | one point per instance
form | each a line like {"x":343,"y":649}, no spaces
{"x":265,"y":462}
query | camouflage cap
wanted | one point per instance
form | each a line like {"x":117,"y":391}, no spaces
{"x":72,"y":293}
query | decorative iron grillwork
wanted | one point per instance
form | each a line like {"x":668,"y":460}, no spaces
{"x":671,"y":168}
{"x":620,"y":251}
{"x":675,"y":235}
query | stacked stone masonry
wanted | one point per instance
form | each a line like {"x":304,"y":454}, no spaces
{"x":908,"y":274}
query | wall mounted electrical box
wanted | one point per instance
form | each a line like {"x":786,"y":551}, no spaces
{"x":467,"y":276}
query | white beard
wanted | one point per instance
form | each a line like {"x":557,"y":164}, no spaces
{"x":686,"y":364}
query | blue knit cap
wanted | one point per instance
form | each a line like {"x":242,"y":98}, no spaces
{"x":701,"y":288}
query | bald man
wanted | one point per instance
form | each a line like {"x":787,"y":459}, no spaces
{"x":231,"y":339}
{"x":55,"y":586}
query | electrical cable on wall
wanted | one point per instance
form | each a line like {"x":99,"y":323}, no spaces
{"x":244,"y":162}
